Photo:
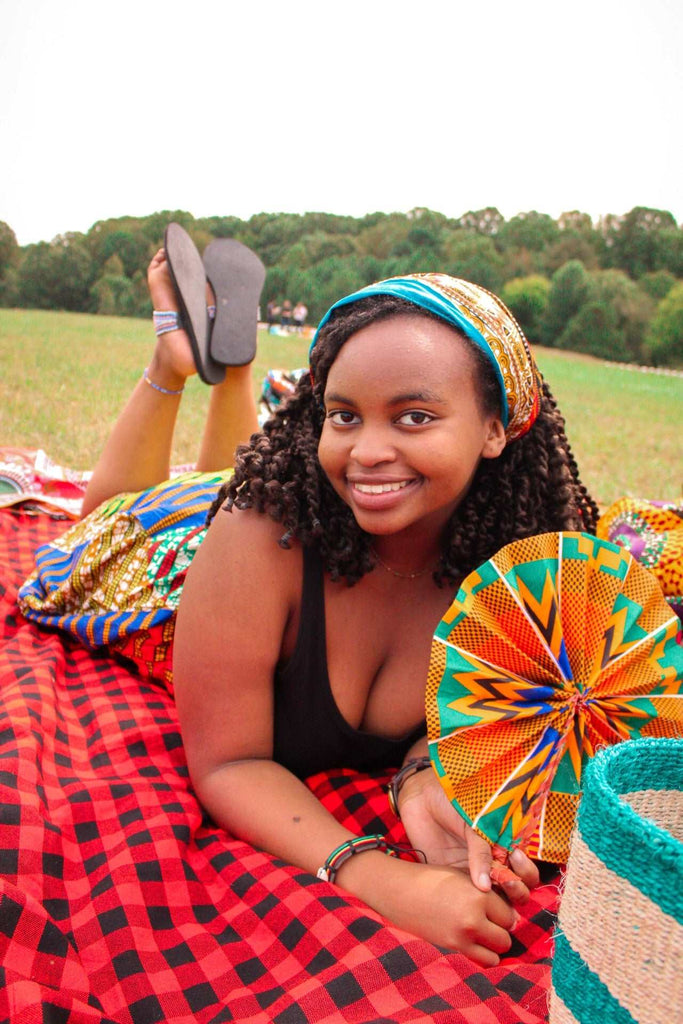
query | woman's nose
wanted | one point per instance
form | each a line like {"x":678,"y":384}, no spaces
{"x":372,"y":446}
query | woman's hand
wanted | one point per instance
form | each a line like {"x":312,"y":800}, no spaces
{"x":435,"y":827}
{"x":439,"y":904}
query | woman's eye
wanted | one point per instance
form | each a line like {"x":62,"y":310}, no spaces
{"x":342,"y":417}
{"x":415,"y":418}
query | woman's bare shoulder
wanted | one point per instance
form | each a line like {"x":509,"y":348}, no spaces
{"x":241,"y":550}
{"x":241,"y":591}
{"x":232,"y":530}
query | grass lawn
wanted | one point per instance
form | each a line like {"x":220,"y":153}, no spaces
{"x":65,"y":376}
{"x":625,"y":425}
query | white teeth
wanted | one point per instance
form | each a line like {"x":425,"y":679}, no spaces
{"x":380,"y":488}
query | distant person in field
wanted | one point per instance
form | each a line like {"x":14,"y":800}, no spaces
{"x":286,"y":316}
{"x":272,"y":315}
{"x":422,"y":440}
{"x":300,"y":313}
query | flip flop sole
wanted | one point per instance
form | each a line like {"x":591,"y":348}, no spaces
{"x":236,"y":275}
{"x":189,"y":280}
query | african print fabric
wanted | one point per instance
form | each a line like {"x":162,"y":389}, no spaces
{"x":114,"y":579}
{"x":486,"y":321}
{"x":653,"y":533}
{"x":121,"y":902}
{"x":558,"y":645}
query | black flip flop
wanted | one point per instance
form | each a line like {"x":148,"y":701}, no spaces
{"x":189,"y":280}
{"x":236,"y":275}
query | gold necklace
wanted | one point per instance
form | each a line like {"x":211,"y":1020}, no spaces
{"x":401,"y":575}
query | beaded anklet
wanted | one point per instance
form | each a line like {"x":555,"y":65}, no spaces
{"x":362,"y":844}
{"x":158,"y":387}
{"x":165,"y":320}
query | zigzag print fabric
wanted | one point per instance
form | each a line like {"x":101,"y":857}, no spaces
{"x":114,"y":579}
{"x":557,"y":646}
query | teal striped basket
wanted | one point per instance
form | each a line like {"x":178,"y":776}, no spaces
{"x":619,"y":938}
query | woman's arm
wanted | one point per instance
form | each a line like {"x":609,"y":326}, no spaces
{"x":240,"y":595}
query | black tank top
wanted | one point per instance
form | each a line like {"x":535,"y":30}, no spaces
{"x":310,"y":733}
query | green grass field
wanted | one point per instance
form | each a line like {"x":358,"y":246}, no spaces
{"x":66,"y":375}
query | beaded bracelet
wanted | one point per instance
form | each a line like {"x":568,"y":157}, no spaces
{"x":165,"y":320}
{"x":362,"y":844}
{"x":158,"y":387}
{"x":411,"y":767}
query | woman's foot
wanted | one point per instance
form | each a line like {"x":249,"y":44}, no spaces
{"x":172,"y":361}
{"x":188,"y":278}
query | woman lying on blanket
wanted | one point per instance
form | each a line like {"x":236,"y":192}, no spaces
{"x":423,"y":440}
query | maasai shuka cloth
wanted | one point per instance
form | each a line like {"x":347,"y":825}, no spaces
{"x":558,"y":645}
{"x":486,"y":321}
{"x":653,"y":533}
{"x":121,"y":902}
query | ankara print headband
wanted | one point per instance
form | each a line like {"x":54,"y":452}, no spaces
{"x":486,"y":321}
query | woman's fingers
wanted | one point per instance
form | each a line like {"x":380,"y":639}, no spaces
{"x":515,"y":884}
{"x":493,"y":938}
{"x":515,"y":890}
{"x":525,"y":868}
{"x":482,"y":956}
{"x":479,"y":858}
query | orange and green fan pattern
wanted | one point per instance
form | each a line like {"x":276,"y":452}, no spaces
{"x":558,"y":645}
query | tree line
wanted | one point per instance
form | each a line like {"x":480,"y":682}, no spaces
{"x":613,"y":289}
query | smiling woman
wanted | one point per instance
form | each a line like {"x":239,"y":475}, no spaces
{"x":422,"y":441}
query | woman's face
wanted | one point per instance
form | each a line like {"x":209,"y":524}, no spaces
{"x":403,"y":431}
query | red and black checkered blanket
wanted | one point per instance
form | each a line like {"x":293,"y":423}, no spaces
{"x":122,"y":902}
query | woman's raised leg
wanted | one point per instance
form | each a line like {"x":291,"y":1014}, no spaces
{"x":232,"y":419}
{"x":138,"y":451}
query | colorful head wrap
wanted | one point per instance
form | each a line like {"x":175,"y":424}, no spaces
{"x":486,"y":321}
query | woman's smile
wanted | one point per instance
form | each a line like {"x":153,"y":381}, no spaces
{"x":378,"y":488}
{"x":370,"y":495}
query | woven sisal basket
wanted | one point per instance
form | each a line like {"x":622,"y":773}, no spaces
{"x":619,"y":939}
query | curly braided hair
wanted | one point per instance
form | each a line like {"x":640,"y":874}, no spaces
{"x":532,"y":487}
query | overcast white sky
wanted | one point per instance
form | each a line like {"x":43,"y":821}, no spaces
{"x":344,"y":106}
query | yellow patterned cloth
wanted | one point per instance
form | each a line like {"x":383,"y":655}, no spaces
{"x":557,"y":646}
{"x":653,"y":533}
{"x":486,"y":321}
{"x":114,"y":579}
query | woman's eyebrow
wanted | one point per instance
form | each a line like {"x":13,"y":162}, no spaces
{"x":416,"y":396}
{"x":335,"y":396}
{"x":400,"y":399}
